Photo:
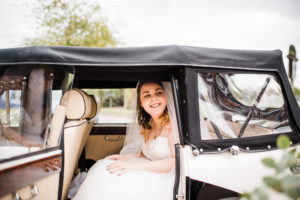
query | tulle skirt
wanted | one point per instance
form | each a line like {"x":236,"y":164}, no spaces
{"x":133,"y":185}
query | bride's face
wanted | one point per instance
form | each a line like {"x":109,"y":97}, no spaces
{"x":153,"y":99}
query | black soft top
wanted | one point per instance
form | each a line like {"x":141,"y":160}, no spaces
{"x":142,"y":56}
{"x":93,"y":66}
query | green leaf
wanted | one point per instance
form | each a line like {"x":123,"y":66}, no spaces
{"x":283,"y":142}
{"x":273,"y":183}
{"x":288,"y":159}
{"x":260,"y":195}
{"x":291,"y":186}
{"x":298,"y":156}
{"x":269,"y":162}
{"x":281,"y":167}
{"x":246,"y":195}
{"x":293,"y":151}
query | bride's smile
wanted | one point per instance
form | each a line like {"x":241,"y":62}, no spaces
{"x":153,"y":99}
{"x":155,"y":105}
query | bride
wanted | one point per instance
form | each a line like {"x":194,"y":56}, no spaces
{"x":145,"y":167}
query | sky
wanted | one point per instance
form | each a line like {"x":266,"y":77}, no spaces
{"x":229,"y":24}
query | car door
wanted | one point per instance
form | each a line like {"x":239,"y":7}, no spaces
{"x":31,"y":127}
{"x":232,"y":120}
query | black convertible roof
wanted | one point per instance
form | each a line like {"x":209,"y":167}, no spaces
{"x":141,"y":56}
{"x":109,"y":68}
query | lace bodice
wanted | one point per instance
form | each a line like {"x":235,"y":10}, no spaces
{"x":158,"y":148}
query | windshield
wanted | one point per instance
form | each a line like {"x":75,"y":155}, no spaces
{"x":236,"y":105}
{"x":27,"y":99}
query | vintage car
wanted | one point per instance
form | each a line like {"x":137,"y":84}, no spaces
{"x":231,"y":105}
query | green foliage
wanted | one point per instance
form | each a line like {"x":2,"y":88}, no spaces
{"x":71,"y":23}
{"x":296,"y":91}
{"x":111,"y":97}
{"x":297,"y":94}
{"x":273,"y":183}
{"x":258,"y":194}
{"x":269,"y":162}
{"x":283,"y":142}
{"x":283,"y":181}
{"x":108,"y":97}
{"x":291,"y":186}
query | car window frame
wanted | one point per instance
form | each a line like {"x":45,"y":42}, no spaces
{"x":192,"y":119}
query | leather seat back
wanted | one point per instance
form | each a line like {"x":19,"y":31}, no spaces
{"x":80,"y":111}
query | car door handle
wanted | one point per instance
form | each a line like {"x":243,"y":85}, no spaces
{"x":113,"y":139}
{"x":34,"y":193}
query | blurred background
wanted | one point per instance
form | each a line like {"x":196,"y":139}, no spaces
{"x":230,"y":24}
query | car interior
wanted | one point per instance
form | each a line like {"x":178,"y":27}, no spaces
{"x":95,"y":125}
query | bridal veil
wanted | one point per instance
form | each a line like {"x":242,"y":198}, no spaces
{"x":133,"y":140}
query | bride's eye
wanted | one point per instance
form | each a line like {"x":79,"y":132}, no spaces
{"x":159,"y":93}
{"x":147,"y":96}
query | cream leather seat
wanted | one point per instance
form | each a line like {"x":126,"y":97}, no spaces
{"x":80,"y":111}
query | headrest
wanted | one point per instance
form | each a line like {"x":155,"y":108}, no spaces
{"x":79,"y":105}
{"x":95,"y":106}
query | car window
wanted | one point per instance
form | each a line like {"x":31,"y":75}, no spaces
{"x":28,"y":96}
{"x":234,"y":105}
{"x":55,"y":96}
{"x":10,"y":107}
{"x":115,"y":105}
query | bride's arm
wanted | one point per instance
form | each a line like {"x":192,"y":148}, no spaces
{"x":124,"y":156}
{"x":160,"y":166}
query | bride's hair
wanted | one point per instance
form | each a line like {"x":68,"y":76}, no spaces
{"x":144,"y":117}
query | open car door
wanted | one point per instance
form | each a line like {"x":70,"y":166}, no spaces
{"x":234,"y":118}
{"x":30,"y":129}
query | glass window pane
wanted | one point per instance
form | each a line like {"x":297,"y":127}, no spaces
{"x":10,"y":107}
{"x":26,"y":106}
{"x":234,"y":105}
{"x":115,"y":105}
{"x":56,"y":96}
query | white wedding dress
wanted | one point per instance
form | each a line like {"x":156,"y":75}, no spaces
{"x":133,"y":185}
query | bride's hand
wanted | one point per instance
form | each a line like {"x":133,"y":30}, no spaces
{"x":121,"y":167}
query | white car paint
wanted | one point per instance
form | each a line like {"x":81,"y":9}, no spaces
{"x":240,"y":173}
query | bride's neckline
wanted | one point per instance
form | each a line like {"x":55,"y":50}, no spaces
{"x":151,"y":142}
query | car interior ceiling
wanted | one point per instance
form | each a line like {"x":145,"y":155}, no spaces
{"x":117,"y":77}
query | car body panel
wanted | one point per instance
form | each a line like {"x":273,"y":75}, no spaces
{"x":230,"y":171}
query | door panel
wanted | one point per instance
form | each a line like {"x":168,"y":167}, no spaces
{"x":40,"y":169}
{"x":100,"y":146}
{"x":105,"y":139}
{"x":47,"y":189}
{"x":239,"y":173}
